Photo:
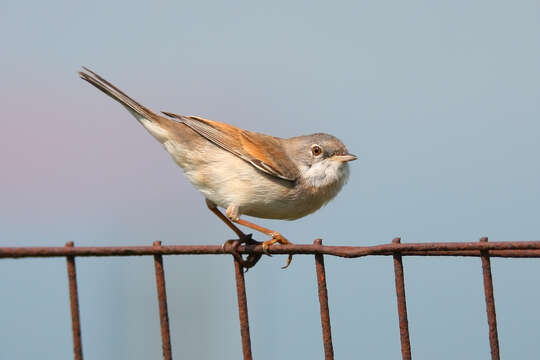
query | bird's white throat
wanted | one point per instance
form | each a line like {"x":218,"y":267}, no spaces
{"x":326,"y":173}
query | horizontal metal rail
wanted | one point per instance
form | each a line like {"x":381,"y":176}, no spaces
{"x":496,"y":249}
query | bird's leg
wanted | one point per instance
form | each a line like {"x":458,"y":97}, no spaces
{"x":252,"y":259}
{"x":232,"y":213}
{"x":213,"y":208}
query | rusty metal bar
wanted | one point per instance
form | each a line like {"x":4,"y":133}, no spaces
{"x":402,"y":305}
{"x":502,"y":249}
{"x":490,"y":303}
{"x":162,"y":301}
{"x":74,"y":304}
{"x":323,"y":301}
{"x":476,"y":253}
{"x":242,"y":310}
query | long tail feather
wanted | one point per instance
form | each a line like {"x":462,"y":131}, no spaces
{"x":158,"y":126}
{"x":134,"y":107}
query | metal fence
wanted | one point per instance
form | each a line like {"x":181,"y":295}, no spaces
{"x":482,"y":249}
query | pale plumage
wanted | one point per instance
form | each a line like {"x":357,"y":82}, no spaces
{"x":242,"y":171}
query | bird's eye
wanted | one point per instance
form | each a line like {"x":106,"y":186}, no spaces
{"x":316,"y":150}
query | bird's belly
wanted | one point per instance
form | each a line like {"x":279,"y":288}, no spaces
{"x":283,"y":210}
{"x":235,"y":182}
{"x":256,"y":194}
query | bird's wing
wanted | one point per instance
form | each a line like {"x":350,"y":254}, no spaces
{"x":262,"y":151}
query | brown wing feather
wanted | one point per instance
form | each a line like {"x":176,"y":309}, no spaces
{"x":262,"y":151}
{"x":269,"y":151}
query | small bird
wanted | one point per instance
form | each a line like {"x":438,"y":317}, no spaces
{"x":244,"y":172}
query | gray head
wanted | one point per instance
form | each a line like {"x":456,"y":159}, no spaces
{"x":322,"y":159}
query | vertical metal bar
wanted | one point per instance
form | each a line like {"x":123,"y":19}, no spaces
{"x":490,"y":303}
{"x":323,"y":301}
{"x":74,"y":303}
{"x":402,"y":305}
{"x":162,"y":301}
{"x":242,"y":310}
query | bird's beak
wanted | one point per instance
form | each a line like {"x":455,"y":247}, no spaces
{"x":344,"y":158}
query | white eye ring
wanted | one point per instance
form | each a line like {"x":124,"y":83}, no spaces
{"x":316,"y":150}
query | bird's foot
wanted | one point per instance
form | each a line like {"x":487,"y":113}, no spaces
{"x":232,"y":247}
{"x":280,"y":239}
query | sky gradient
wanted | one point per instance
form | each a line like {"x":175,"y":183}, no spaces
{"x":439,"y":101}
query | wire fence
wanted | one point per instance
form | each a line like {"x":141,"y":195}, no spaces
{"x":482,"y":249}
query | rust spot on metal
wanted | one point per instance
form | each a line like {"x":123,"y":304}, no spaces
{"x":490,"y":303}
{"x":323,"y":301}
{"x":242,"y":309}
{"x":74,"y":304}
{"x":162,"y":302}
{"x":402,"y":305}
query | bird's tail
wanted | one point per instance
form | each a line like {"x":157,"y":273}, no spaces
{"x":153,"y":122}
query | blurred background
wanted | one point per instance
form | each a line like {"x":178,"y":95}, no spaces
{"x":439,"y":100}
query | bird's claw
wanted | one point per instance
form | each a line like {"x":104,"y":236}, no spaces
{"x":231,"y":246}
{"x":289,"y":259}
{"x":280,"y":239}
{"x":265,"y":247}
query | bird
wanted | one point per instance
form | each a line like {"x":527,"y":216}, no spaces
{"x":245,"y":172}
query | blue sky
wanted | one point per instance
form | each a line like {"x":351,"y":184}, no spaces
{"x":439,"y":100}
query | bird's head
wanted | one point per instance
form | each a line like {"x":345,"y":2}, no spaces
{"x":322,"y":160}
